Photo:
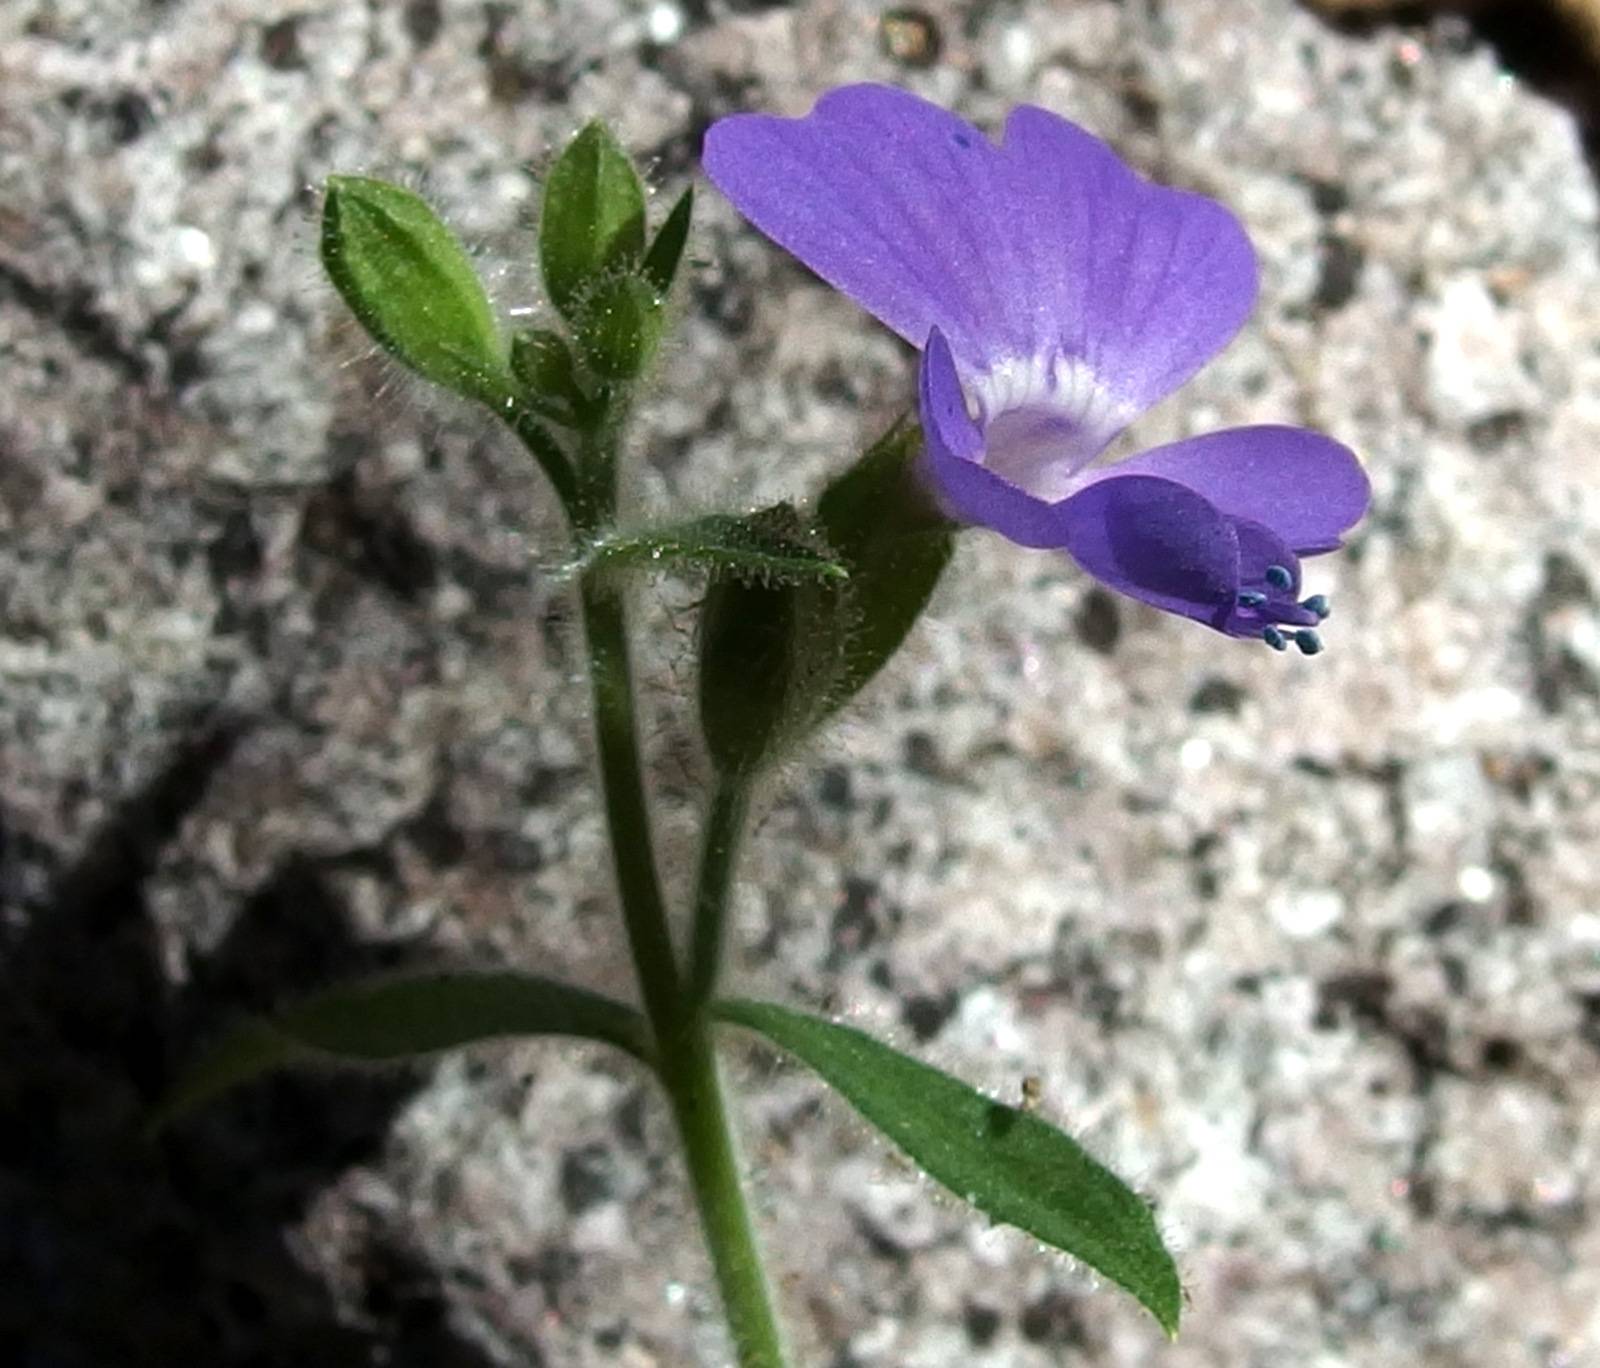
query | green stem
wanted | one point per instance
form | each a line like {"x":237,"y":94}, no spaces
{"x":719,"y":855}
{"x":597,"y":459}
{"x":547,"y":452}
{"x":622,"y":783}
{"x":689,"y":1070}
{"x":686,"y":1063}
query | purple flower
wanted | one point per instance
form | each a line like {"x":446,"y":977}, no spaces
{"x":1056,"y":295}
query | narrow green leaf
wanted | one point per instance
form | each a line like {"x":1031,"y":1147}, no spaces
{"x":618,"y":325}
{"x":249,"y":1050}
{"x":412,"y":285}
{"x":592,"y":223}
{"x":396,"y":1018}
{"x":660,"y":266}
{"x":879,"y":521}
{"x":1009,"y":1164}
{"x":747,"y":548}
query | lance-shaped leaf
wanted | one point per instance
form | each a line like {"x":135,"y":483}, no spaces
{"x":762,"y":547}
{"x":1010,"y":1164}
{"x":592,"y":223}
{"x":660,"y":265}
{"x":383,"y":1020}
{"x":412,"y":285}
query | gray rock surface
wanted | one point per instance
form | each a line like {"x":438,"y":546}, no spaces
{"x":1308,"y":948}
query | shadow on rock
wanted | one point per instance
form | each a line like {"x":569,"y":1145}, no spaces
{"x":118,"y":1252}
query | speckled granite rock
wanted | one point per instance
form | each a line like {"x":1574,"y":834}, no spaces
{"x":1310,"y":949}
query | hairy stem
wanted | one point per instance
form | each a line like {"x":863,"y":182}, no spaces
{"x":627,"y":813}
{"x":686,"y":1062}
{"x":546,"y":451}
{"x":689,"y":1070}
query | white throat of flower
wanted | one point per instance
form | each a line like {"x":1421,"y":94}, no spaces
{"x":1044,"y":418}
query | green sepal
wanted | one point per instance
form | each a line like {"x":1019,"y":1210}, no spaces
{"x":764,"y":548}
{"x":592,"y":223}
{"x":544,"y":367}
{"x":619,"y":325}
{"x":411,"y":284}
{"x":769,"y":654}
{"x":878,"y":518}
{"x":660,"y":265}
{"x":1010,"y":1164}
{"x":776,"y":659}
{"x":383,"y":1020}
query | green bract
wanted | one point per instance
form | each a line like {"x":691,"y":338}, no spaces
{"x":412,"y":286}
{"x":660,"y":264}
{"x":544,"y":367}
{"x":592,"y":224}
{"x":777,"y":658}
{"x":762,"y":547}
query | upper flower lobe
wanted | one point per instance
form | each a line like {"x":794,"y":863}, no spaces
{"x":1056,"y":295}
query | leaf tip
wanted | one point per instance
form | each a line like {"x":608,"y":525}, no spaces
{"x":1165,"y":1301}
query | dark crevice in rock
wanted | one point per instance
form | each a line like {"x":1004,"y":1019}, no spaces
{"x":423,"y":20}
{"x":372,"y":536}
{"x":926,"y":1013}
{"x":1562,"y":676}
{"x":1366,"y":997}
{"x":116,"y":1249}
{"x":1098,"y":622}
{"x":73,"y":309}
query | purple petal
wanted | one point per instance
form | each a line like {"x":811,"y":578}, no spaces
{"x":1307,"y":488}
{"x":885,"y":196}
{"x":1261,"y":548}
{"x":1155,"y":541}
{"x":1049,"y":246}
{"x":953,"y":455}
{"x":1144,"y":283}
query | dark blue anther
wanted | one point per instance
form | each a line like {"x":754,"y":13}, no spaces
{"x":1308,"y":641}
{"x":1275,"y":639}
{"x":1248,"y":598}
{"x":1278,"y":576}
{"x":1317,"y":603}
